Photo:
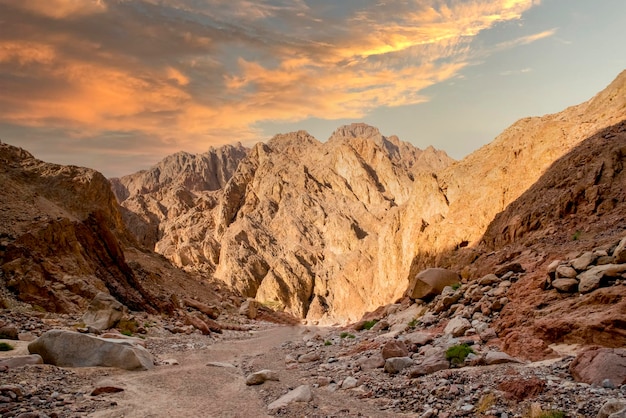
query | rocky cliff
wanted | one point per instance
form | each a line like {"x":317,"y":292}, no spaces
{"x":330,"y":230}
{"x":63,"y":240}
{"x":292,"y":219}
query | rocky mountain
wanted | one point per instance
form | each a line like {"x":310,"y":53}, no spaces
{"x":63,"y":240}
{"x":292,"y":218}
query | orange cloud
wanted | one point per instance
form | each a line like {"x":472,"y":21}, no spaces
{"x":191,"y":77}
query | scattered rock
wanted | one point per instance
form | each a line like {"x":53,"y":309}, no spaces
{"x":20,"y":361}
{"x":619,"y":254}
{"x":260,"y":377}
{"x":590,"y":280}
{"x":498,"y":357}
{"x":565,"y":285}
{"x":349,"y":383}
{"x":300,"y":394}
{"x":613,"y":408}
{"x":395,"y":365}
{"x":457,"y":326}
{"x":431,"y":282}
{"x":309,"y":357}
{"x":9,"y":332}
{"x":521,"y":389}
{"x":249,"y":308}
{"x":394,"y":348}
{"x":430,"y":365}
{"x":103,"y":312}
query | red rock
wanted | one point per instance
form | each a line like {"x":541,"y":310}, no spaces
{"x":597,"y":364}
{"x":105,"y":389}
{"x":394,"y":348}
{"x":521,"y":389}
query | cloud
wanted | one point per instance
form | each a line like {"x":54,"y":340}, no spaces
{"x":194,"y":73}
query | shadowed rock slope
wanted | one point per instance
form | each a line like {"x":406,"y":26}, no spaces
{"x":63,"y":240}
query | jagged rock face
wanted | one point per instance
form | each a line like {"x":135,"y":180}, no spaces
{"x":62,"y":237}
{"x":299,"y":218}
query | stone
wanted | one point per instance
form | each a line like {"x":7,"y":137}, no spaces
{"x":512,"y":267}
{"x":19,"y":361}
{"x":260,"y":377}
{"x":431,"y":282}
{"x":581,"y":263}
{"x":249,"y":308}
{"x":395,"y":365}
{"x":72,"y":349}
{"x":211,"y":311}
{"x":595,"y":365}
{"x":498,"y":357}
{"x":309,"y":357}
{"x":430,"y":364}
{"x":9,"y":332}
{"x":374,"y":362}
{"x":302,"y":393}
{"x":619,"y":254}
{"x":103,"y":312}
{"x":613,"y":408}
{"x":566,"y":272}
{"x":591,"y":279}
{"x":394,"y":348}
{"x":417,"y":338}
{"x":349,"y":383}
{"x":565,"y":285}
{"x":457,"y":326}
{"x":488,"y":280}
{"x":488,"y":335}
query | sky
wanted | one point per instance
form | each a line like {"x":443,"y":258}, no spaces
{"x":117,"y":85}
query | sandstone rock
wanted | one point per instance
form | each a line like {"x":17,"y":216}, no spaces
{"x":106,"y":389}
{"x":417,"y":338}
{"x":302,"y":393}
{"x":394,"y":348}
{"x":498,"y":357}
{"x":431,"y":282}
{"x":613,"y":408}
{"x":9,"y":332}
{"x":373,"y":362}
{"x":260,"y":377}
{"x":19,"y":361}
{"x":457,"y":326}
{"x":489,"y":279}
{"x":103,"y":312}
{"x":565,"y":285}
{"x":349,"y":383}
{"x":72,"y":349}
{"x":619,"y":254}
{"x":591,"y":279}
{"x":511,"y":267}
{"x":598,"y":364}
{"x":249,"y":308}
{"x":581,"y":263}
{"x":430,"y":364}
{"x":198,"y":323}
{"x":309,"y":357}
{"x":567,"y":272}
{"x":395,"y":365}
{"x":211,"y":311}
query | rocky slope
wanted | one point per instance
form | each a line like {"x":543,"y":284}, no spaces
{"x":63,"y":240}
{"x":293,"y":217}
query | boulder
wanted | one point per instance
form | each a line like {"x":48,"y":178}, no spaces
{"x":581,"y":263}
{"x":260,"y":377}
{"x":249,"y":308}
{"x":103,"y":312}
{"x":211,"y":311}
{"x":300,"y":394}
{"x":566,"y":272}
{"x":19,"y":361}
{"x":565,"y":285}
{"x":431,"y":282}
{"x":488,"y":280}
{"x":431,"y":364}
{"x":369,"y":363}
{"x":394,"y":348}
{"x":72,"y":349}
{"x":596,"y":365}
{"x":349,"y":383}
{"x":498,"y":357}
{"x":591,"y":279}
{"x":457,"y":326}
{"x":9,"y":332}
{"x":394,"y":365}
{"x":417,"y":338}
{"x":613,"y":408}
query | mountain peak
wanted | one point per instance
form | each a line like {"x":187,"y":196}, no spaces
{"x":357,"y":130}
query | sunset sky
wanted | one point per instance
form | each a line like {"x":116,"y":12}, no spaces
{"x":116,"y":85}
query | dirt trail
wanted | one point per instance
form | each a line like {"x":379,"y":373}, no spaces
{"x":193,"y":389}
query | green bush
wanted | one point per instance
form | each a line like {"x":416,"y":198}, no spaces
{"x":346,"y":335}
{"x":127,"y":327}
{"x":456,"y":286}
{"x":369,"y":324}
{"x":457,"y":353}
{"x":6,"y":347}
{"x":413,"y":323}
{"x":327,"y":342}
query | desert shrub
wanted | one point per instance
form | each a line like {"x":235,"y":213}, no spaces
{"x":327,"y":342}
{"x":456,"y":286}
{"x":413,"y":322}
{"x":576,"y":235}
{"x":6,"y":347}
{"x":369,"y":324}
{"x":485,"y":403}
{"x":127,"y":326}
{"x":346,"y":335}
{"x":457,"y":353}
